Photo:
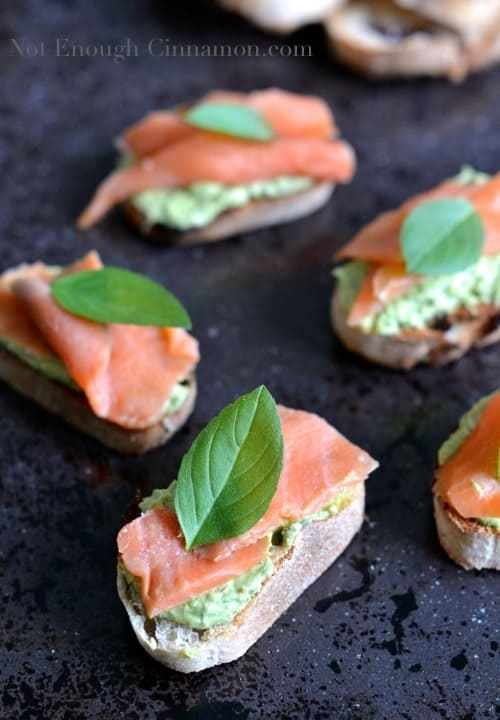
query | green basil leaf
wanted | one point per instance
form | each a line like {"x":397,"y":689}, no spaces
{"x":114,"y":295}
{"x":442,"y":237}
{"x":230,"y":474}
{"x":230,"y":119}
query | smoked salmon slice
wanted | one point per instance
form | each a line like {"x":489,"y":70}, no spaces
{"x":16,"y":326}
{"x":379,"y":244}
{"x":152,"y":549}
{"x":382,"y":284}
{"x":379,"y":241}
{"x":225,"y":160}
{"x":468,"y":481}
{"x":127,"y":372}
{"x":318,"y":463}
{"x":288,"y":114}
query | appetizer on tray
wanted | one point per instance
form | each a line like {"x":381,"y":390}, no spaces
{"x":422,"y":283}
{"x":416,"y":37}
{"x":467,"y":488}
{"x":392,"y":38}
{"x":104,"y":348}
{"x":265,"y":500}
{"x":282,"y":16}
{"x":225,"y":165}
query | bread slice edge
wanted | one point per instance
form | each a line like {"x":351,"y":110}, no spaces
{"x":72,"y":407}
{"x":468,"y":543}
{"x":254,"y":215}
{"x":317,"y":546}
{"x":279,"y":17}
{"x":445,"y":51}
{"x":399,"y":353}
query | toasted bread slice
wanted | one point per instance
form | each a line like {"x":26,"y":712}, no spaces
{"x":281,"y":17}
{"x":72,"y":407}
{"x":403,"y":352}
{"x":187,"y":650}
{"x":465,"y":16}
{"x":253,"y":216}
{"x":382,"y":39}
{"x":467,"y":542}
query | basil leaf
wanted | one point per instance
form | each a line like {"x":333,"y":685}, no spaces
{"x":230,"y":119}
{"x":114,"y":295}
{"x":442,"y":237}
{"x":230,"y":474}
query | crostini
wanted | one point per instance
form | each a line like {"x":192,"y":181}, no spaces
{"x":282,"y":17}
{"x":467,"y":488}
{"x":103,"y":348}
{"x":423,"y":282}
{"x":225,"y":165}
{"x":265,"y":500}
{"x":416,"y":37}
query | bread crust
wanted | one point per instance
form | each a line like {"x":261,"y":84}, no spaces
{"x":72,"y":407}
{"x":431,"y":49}
{"x":317,"y":546}
{"x":253,"y":216}
{"x":467,"y":542}
{"x":403,"y":352}
{"x":465,"y":16}
{"x":280,"y":17}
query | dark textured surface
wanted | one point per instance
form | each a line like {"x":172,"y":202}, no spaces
{"x":393,"y":630}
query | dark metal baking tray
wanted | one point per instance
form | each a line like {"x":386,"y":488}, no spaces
{"x":393,"y":629}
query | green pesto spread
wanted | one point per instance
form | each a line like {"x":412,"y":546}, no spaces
{"x":218,"y":606}
{"x":176,"y":398}
{"x":199,"y":204}
{"x":433,"y":297}
{"x":467,"y":424}
{"x":350,"y":278}
{"x":49,"y":365}
{"x":437,"y":296}
{"x":163,"y":498}
{"x":489,"y":522}
{"x":469,"y":176}
{"x":291,"y":530}
{"x":221,"y":605}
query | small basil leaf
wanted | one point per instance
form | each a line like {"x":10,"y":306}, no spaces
{"x":230,"y":119}
{"x":442,"y":237}
{"x":114,"y":295}
{"x":230,"y":474}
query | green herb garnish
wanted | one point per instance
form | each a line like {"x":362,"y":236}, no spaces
{"x":442,"y":237}
{"x":230,"y":474}
{"x":230,"y":119}
{"x":114,"y":295}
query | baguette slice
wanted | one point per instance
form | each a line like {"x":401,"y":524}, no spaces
{"x":468,"y":543}
{"x":465,"y":16}
{"x":317,"y":546}
{"x":281,"y":17}
{"x":382,"y":39}
{"x":72,"y":407}
{"x":253,"y":216}
{"x":403,"y":352}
